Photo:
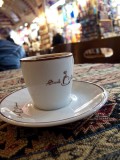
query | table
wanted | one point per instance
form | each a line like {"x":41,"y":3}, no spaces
{"x":94,"y":138}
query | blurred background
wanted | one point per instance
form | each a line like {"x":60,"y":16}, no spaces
{"x":33,"y":21}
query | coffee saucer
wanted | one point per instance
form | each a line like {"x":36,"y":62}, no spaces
{"x":87,"y":98}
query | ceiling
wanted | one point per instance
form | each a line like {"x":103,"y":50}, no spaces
{"x":14,"y":13}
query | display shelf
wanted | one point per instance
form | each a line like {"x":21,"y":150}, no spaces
{"x":106,"y":27}
{"x":45,"y":39}
{"x":90,"y":27}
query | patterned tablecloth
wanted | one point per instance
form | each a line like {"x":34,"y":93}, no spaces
{"x":95,"y":138}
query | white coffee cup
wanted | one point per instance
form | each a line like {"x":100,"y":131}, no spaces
{"x":49,"y":79}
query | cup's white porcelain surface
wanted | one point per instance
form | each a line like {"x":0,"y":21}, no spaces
{"x":49,"y":79}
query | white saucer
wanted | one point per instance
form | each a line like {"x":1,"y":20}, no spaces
{"x":87,"y":98}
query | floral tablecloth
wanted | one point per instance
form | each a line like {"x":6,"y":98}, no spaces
{"x":95,"y":138}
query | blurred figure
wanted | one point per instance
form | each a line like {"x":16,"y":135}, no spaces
{"x":10,"y":53}
{"x":26,"y":48}
{"x":57,"y":38}
{"x":35,"y":45}
{"x":10,"y":39}
{"x":6,"y":34}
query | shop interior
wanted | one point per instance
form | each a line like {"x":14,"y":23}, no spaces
{"x":75,"y":20}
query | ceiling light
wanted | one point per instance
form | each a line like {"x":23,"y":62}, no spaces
{"x":1,"y":3}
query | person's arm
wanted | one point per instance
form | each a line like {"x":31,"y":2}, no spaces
{"x":22,"y":52}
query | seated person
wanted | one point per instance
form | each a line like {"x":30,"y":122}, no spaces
{"x":10,"y":53}
{"x":26,"y":48}
{"x":57,"y":38}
